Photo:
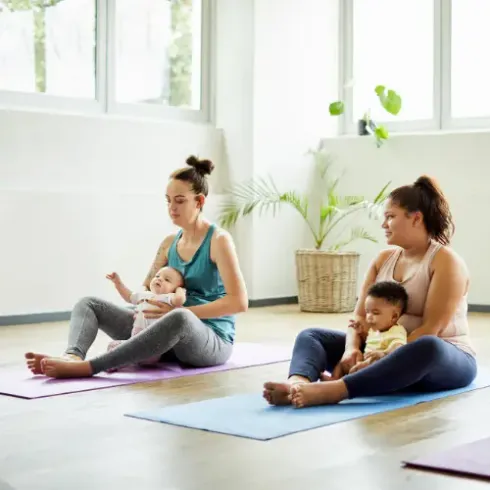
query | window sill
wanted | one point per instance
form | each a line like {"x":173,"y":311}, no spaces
{"x":56,"y":106}
{"x":419,"y":133}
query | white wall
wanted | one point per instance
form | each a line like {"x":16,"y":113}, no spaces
{"x":295,"y":79}
{"x":274,"y":83}
{"x":82,"y":196}
{"x":458,"y":161}
{"x":234,"y":109}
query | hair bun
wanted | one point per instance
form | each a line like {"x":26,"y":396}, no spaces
{"x":204,"y":167}
{"x":428,"y":185}
{"x":424,"y":181}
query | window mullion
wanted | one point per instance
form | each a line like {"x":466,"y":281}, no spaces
{"x":438,"y":47}
{"x":110,"y":67}
{"x":101,"y":55}
{"x":347,"y":65}
{"x":207,"y":66}
{"x":445,"y":62}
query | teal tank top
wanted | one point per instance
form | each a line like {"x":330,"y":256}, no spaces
{"x":203,"y":283}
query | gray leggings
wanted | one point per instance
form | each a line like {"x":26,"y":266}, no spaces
{"x":178,"y":332}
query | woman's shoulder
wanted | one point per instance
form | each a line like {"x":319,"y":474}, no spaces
{"x":166,"y":244}
{"x":168,"y":240}
{"x":383,"y":256}
{"x":221,"y":242}
{"x":222,"y":237}
{"x":220,"y":234}
{"x":447,"y":257}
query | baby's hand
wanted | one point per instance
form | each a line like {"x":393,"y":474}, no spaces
{"x":114,"y":277}
{"x":359,"y":327}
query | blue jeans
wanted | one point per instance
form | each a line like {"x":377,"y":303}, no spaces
{"x":428,"y":364}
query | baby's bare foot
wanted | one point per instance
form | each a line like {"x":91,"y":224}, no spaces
{"x":322,"y":393}
{"x":113,"y":344}
{"x":64,"y":368}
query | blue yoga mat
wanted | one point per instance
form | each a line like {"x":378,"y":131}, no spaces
{"x":250,"y":416}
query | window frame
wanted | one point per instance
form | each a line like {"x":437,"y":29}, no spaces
{"x":104,"y":102}
{"x":442,"y":118}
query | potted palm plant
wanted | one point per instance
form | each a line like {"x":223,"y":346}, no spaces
{"x":327,"y":273}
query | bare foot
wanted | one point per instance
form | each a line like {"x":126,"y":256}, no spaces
{"x":113,"y":344}
{"x":277,"y":393}
{"x":280,"y":393}
{"x":33,"y":361}
{"x":63,"y":368}
{"x":322,"y":393}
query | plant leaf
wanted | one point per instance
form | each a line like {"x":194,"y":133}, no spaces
{"x":258,"y":194}
{"x":357,"y":233}
{"x":382,"y":194}
{"x":391,"y":101}
{"x":336,"y":108}
{"x":327,"y":212}
{"x":381,"y":132}
{"x":351,"y":200}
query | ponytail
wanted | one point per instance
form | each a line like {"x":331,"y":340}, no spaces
{"x":426,"y":196}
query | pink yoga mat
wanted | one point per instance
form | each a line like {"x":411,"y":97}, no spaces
{"x":20,"y":383}
{"x":471,"y":459}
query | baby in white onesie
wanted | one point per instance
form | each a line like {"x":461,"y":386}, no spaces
{"x":166,"y":286}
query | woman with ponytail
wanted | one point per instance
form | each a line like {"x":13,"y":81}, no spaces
{"x":202,"y":332}
{"x":438,"y":355}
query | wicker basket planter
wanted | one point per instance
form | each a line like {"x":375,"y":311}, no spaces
{"x":327,"y":281}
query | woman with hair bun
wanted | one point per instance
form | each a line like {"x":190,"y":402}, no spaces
{"x":439,"y":354}
{"x":202,"y":332}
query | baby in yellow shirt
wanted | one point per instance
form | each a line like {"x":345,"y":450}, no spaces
{"x":386,"y":302}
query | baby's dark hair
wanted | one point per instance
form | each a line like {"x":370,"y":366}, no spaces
{"x":426,"y":196}
{"x":392,"y":292}
{"x":195,"y":174}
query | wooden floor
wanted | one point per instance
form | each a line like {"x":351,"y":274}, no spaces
{"x":83,"y":441}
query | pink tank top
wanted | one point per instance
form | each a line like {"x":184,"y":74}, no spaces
{"x":417,"y":287}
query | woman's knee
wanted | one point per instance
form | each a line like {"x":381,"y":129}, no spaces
{"x":87,"y":302}
{"x":309,"y":333}
{"x":92,"y":304}
{"x":178,"y":320}
{"x":318,"y":334}
{"x":181,"y":315}
{"x":430,"y":346}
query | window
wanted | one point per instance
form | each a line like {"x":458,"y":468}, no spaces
{"x":48,"y":50}
{"x":431,"y":52}
{"x":470,"y":69}
{"x":387,"y":53}
{"x":118,"y":56}
{"x":155,"y":65}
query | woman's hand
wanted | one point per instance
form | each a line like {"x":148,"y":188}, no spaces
{"x":374,"y":356}
{"x":368,"y":360}
{"x":158,"y":309}
{"x":350,"y":358}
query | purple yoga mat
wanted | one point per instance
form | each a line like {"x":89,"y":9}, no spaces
{"x":20,"y":383}
{"x":471,"y":459}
